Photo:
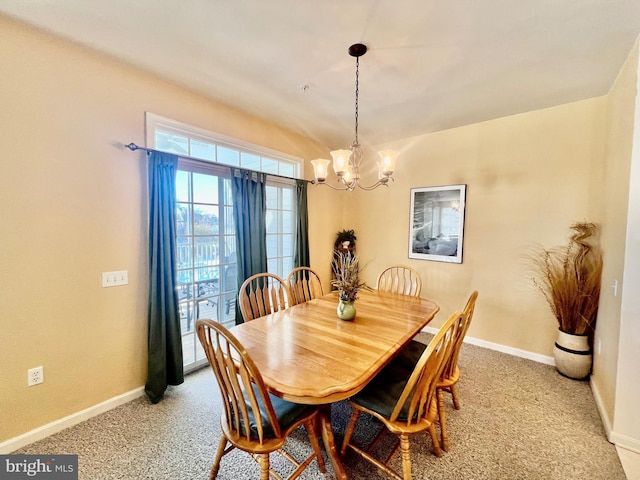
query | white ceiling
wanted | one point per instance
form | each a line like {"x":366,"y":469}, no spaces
{"x":431,"y":64}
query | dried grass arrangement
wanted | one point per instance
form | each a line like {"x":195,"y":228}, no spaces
{"x":569,"y":278}
{"x":346,"y":272}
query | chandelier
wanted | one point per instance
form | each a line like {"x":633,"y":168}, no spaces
{"x":346,"y":163}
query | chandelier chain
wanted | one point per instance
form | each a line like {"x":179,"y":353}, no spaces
{"x":357,"y":91}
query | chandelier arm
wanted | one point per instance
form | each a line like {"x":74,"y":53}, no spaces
{"x":315,"y":182}
{"x":382,"y":181}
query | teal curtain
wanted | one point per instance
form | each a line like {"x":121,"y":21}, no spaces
{"x":301,"y":248}
{"x":249,"y":190}
{"x":164,"y":341}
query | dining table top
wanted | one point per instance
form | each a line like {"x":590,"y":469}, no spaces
{"x":306,"y":354}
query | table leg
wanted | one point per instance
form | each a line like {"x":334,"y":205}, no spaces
{"x":330,"y":444}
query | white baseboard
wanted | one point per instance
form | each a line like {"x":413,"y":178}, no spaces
{"x":516,"y":352}
{"x":618,"y":439}
{"x":56,"y":426}
{"x":601,"y":410}
{"x":628,"y":443}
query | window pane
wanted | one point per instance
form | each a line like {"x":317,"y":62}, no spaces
{"x":183,"y":250}
{"x":272,"y":221}
{"x":229,"y":225}
{"x":205,"y":220}
{"x":206,"y":251}
{"x":186,"y":325}
{"x":182,"y":186}
{"x":272,"y":266}
{"x":185,"y":278}
{"x":205,"y":188}
{"x":269,"y":165}
{"x":287,"y":169}
{"x":230,"y":278}
{"x":170,"y":142}
{"x":207,"y":279}
{"x":250,"y":161}
{"x":229,"y":249}
{"x":287,"y":265}
{"x":183,"y":219}
{"x":287,"y":198}
{"x":200,"y":355}
{"x":208,"y":287}
{"x":272,"y":246}
{"x":228,"y":195}
{"x":272,"y":197}
{"x":287,"y":221}
{"x":203,"y":150}
{"x":228,"y":156}
{"x":229,"y":310}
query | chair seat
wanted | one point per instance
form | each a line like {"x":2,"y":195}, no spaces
{"x":287,"y":413}
{"x":383,"y":392}
{"x":409,"y":355}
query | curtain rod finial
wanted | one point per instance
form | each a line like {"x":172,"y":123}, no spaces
{"x":132,"y":147}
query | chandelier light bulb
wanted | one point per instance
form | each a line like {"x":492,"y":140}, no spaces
{"x":320,"y":169}
{"x":340,"y":161}
{"x":387,"y":161}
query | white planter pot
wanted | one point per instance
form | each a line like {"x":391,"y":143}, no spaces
{"x":573,"y":355}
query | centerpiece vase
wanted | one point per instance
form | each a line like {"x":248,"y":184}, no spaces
{"x":346,"y":310}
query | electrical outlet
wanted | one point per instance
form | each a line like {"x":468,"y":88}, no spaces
{"x":35,"y":376}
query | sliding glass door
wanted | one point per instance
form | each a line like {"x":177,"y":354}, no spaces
{"x":206,"y":261}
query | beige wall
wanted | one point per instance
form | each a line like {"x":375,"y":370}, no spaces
{"x":614,"y":189}
{"x":626,"y":424}
{"x":528,"y":179}
{"x":73,"y":205}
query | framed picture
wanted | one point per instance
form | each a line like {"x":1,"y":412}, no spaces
{"x":437,"y":223}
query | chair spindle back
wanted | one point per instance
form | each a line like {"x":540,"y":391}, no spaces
{"x":262,"y":294}
{"x":400,"y":279}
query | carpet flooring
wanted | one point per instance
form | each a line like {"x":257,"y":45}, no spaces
{"x":519,"y":420}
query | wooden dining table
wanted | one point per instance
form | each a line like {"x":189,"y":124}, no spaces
{"x":306,"y":354}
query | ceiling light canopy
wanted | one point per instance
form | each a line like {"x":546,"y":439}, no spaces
{"x":346,"y":163}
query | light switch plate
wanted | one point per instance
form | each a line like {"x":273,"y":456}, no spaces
{"x":113,"y":279}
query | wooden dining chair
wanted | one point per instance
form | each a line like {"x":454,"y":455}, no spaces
{"x":400,"y":279}
{"x":262,"y":294}
{"x":252,"y":419}
{"x":409,"y":356}
{"x":404,"y":401}
{"x":304,"y":285}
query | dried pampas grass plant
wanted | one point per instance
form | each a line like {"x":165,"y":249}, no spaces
{"x":346,"y":271}
{"x":569,"y":278}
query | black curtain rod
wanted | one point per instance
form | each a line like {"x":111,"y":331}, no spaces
{"x":133,"y":147}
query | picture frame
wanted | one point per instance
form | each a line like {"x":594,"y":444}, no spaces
{"x":436,"y":224}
